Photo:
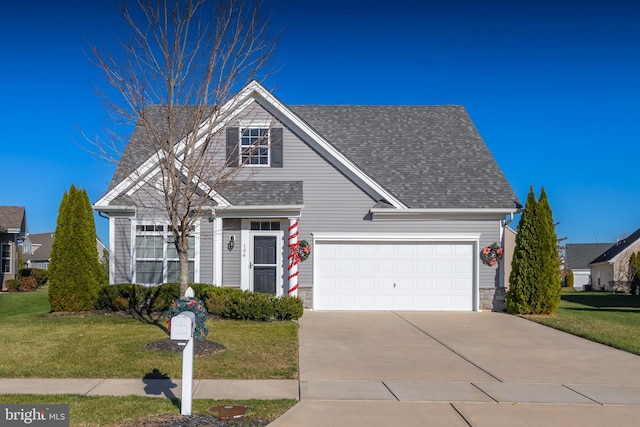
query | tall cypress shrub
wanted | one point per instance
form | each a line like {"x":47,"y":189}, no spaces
{"x":520,"y":297}
{"x":535,"y":270}
{"x":75,"y":272}
{"x":549,"y":279}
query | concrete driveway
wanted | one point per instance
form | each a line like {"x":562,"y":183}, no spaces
{"x":466,"y":369}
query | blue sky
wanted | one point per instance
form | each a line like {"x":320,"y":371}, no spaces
{"x":552,"y":86}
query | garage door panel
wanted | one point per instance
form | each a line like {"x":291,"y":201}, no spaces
{"x":361,"y":276}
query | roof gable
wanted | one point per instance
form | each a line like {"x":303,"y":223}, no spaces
{"x":580,"y":255}
{"x":12,"y":219}
{"x":618,"y":247}
{"x":412,"y":157}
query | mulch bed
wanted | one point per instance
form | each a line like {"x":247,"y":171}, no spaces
{"x":197,"y":420}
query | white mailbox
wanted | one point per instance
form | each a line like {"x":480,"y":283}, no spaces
{"x":182,"y":326}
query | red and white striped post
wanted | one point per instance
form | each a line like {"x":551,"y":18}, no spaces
{"x":294,"y":257}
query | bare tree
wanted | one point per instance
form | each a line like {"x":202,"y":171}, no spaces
{"x":188,"y":58}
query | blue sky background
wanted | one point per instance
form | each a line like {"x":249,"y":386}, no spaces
{"x":552,"y":86}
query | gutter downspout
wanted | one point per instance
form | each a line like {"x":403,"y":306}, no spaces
{"x":502,"y":242}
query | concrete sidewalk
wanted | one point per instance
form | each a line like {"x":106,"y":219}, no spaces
{"x":202,"y":389}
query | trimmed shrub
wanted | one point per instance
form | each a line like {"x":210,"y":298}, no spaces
{"x":227,"y":303}
{"x":12,"y":285}
{"x":233,"y":303}
{"x":568,"y":280}
{"x":41,"y":276}
{"x":28,"y":284}
{"x":288,"y":308}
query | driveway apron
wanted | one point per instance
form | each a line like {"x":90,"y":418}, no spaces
{"x":468,"y":369}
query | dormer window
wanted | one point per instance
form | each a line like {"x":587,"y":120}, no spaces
{"x":254,"y":146}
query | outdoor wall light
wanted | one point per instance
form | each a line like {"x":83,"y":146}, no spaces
{"x":231,"y":244}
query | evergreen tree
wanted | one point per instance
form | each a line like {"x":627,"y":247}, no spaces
{"x":524,"y":272}
{"x":75,"y":272}
{"x":535,"y":269}
{"x":549,"y":278}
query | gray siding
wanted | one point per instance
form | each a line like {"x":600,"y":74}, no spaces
{"x":231,"y":259}
{"x":333,"y":204}
{"x":121,"y":252}
{"x":206,"y":251}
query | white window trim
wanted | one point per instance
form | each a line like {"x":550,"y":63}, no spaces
{"x":268,"y":146}
{"x":166,"y":234}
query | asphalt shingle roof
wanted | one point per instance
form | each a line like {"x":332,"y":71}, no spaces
{"x":44,"y":251}
{"x":11,"y":217}
{"x":618,"y":247}
{"x":256,"y":193}
{"x":580,"y":255}
{"x":427,"y":156}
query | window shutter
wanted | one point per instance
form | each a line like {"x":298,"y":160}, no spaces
{"x":276,"y":148}
{"x":232,"y":146}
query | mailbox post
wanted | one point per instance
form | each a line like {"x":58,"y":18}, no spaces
{"x":182,"y":327}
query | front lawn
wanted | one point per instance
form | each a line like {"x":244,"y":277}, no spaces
{"x":607,"y":318}
{"x":91,"y":345}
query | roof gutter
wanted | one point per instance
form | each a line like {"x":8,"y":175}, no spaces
{"x":114,"y":209}
{"x":397,"y":213}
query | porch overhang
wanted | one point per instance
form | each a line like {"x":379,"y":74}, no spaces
{"x":115,"y":209}
{"x":259,"y":211}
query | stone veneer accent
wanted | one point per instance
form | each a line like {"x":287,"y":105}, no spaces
{"x":306,"y":294}
{"x":492,"y":299}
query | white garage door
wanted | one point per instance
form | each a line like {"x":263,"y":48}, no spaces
{"x":393,"y":276}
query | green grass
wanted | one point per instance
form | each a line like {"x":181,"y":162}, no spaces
{"x":87,"y":411}
{"x":36,"y":344}
{"x":607,"y":318}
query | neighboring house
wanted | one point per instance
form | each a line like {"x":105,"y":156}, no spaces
{"x":578,"y":256}
{"x":396,"y":202}
{"x":13,"y":229}
{"x":610,"y":270}
{"x":39,"y":256}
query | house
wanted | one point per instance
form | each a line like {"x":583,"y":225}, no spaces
{"x":610,"y":270}
{"x":39,"y":254}
{"x":395,"y":201}
{"x":578,"y":256}
{"x":13,"y":229}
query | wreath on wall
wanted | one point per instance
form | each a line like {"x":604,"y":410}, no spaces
{"x":196,"y":307}
{"x":304,"y":250}
{"x":491,"y":255}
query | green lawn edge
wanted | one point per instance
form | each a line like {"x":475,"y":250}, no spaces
{"x":89,"y":411}
{"x":607,"y":318}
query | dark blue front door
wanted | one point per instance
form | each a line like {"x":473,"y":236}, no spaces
{"x":264,"y":264}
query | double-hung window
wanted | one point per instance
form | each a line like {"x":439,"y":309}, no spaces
{"x":254,"y":146}
{"x":6,"y":258}
{"x":157,"y":257}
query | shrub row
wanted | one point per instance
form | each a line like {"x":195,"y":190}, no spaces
{"x":227,"y":303}
{"x":23,"y":284}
